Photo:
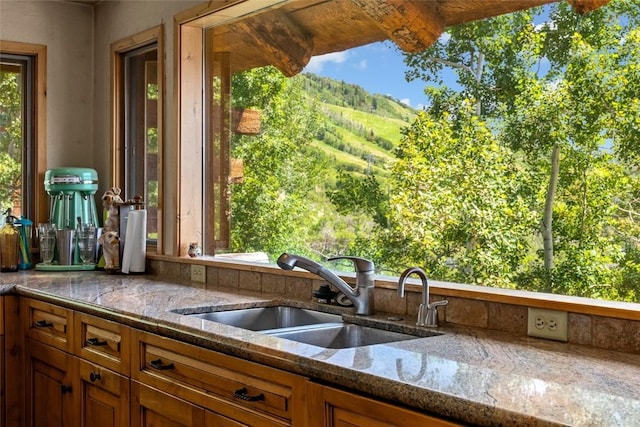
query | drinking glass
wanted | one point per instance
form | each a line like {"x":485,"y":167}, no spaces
{"x":87,"y":243}
{"x":47,"y":235}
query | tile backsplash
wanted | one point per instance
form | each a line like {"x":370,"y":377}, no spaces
{"x":585,"y":329}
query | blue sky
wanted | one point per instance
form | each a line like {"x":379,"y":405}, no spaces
{"x":377,"y":67}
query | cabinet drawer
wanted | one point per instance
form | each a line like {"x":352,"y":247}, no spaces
{"x":48,"y":323}
{"x":102,"y":341}
{"x":225,"y":384}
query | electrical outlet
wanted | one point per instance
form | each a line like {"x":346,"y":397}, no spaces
{"x":550,"y":324}
{"x":198,"y":273}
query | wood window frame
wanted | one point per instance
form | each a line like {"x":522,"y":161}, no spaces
{"x":39,"y":123}
{"x":118,"y":49}
{"x":193,"y":209}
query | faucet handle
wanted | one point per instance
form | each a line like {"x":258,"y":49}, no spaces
{"x":362,"y":265}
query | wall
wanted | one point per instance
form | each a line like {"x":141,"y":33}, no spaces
{"x":67,"y":31}
{"x":116,"y":20}
{"x":78,"y":39}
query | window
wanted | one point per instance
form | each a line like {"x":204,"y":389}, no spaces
{"x":496,"y":164}
{"x":22,"y":131}
{"x":137,"y":149}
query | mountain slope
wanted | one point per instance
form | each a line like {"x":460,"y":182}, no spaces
{"x":360,"y":130}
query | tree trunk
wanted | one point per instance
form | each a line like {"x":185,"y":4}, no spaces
{"x":547,"y":219}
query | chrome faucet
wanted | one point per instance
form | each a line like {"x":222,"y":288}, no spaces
{"x":428,"y":313}
{"x":361,"y":295}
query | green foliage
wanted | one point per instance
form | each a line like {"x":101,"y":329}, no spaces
{"x":270,"y":212}
{"x":10,"y":137}
{"x":364,"y":195}
{"x":456,"y":203}
{"x":585,"y":102}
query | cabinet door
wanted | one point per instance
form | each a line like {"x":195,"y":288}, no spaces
{"x":153,"y":408}
{"x":50,"y":387}
{"x":104,"y":396}
{"x":338,"y":408}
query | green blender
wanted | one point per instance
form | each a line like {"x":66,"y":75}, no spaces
{"x":71,"y":193}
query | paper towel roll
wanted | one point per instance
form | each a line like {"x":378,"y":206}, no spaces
{"x":135,"y":246}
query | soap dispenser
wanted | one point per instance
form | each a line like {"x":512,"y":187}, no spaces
{"x":9,"y":244}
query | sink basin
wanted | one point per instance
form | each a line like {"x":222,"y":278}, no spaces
{"x":267,"y":318}
{"x":342,"y":336}
{"x":302,"y":325}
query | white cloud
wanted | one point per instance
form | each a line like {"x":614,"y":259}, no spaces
{"x":362,"y":65}
{"x":316,"y":63}
{"x":406,"y":101}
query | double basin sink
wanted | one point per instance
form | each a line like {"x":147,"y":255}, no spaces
{"x":303,"y":325}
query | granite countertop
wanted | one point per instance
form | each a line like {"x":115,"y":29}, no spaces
{"x":475,"y":376}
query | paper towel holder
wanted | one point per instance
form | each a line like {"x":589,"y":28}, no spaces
{"x":137,"y":203}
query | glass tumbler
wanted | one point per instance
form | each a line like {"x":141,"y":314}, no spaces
{"x":47,"y":240}
{"x":87,"y":243}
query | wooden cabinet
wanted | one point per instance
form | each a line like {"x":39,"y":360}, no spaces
{"x":232,"y":388}
{"x":103,"y":342}
{"x":48,"y":324}
{"x":331,"y":407}
{"x":50,"y":387}
{"x":103,"y":394}
{"x":2,"y":386}
{"x":14,"y":370}
{"x":63,"y":389}
{"x":82,"y":370}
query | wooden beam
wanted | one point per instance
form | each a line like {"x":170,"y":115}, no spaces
{"x":289,"y":47}
{"x":412,"y":25}
{"x":584,"y":6}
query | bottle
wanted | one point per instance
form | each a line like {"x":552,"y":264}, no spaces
{"x":9,"y":243}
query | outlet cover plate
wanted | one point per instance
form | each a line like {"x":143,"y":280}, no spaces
{"x":549,"y":324}
{"x":198,"y":273}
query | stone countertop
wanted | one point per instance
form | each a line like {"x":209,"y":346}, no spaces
{"x":475,"y":376}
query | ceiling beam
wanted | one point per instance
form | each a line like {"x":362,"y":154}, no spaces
{"x":282,"y":40}
{"x":584,"y":6}
{"x":412,"y":25}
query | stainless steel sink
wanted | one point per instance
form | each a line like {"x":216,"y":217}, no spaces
{"x":302,"y":325}
{"x":342,"y":336}
{"x":267,"y":318}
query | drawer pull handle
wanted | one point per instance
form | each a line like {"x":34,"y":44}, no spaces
{"x":64,"y":389}
{"x":95,"y":341}
{"x":157,"y":364}
{"x":43,"y":324}
{"x":242,"y":394}
{"x":94,"y":376}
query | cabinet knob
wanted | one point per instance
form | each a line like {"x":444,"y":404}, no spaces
{"x":157,"y":364}
{"x":94,"y":376}
{"x":65,"y":389}
{"x":242,"y":394}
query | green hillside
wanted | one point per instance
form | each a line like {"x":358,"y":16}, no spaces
{"x":360,"y":130}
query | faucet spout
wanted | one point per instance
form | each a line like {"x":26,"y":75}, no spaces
{"x":427,"y":313}
{"x":361,"y":295}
